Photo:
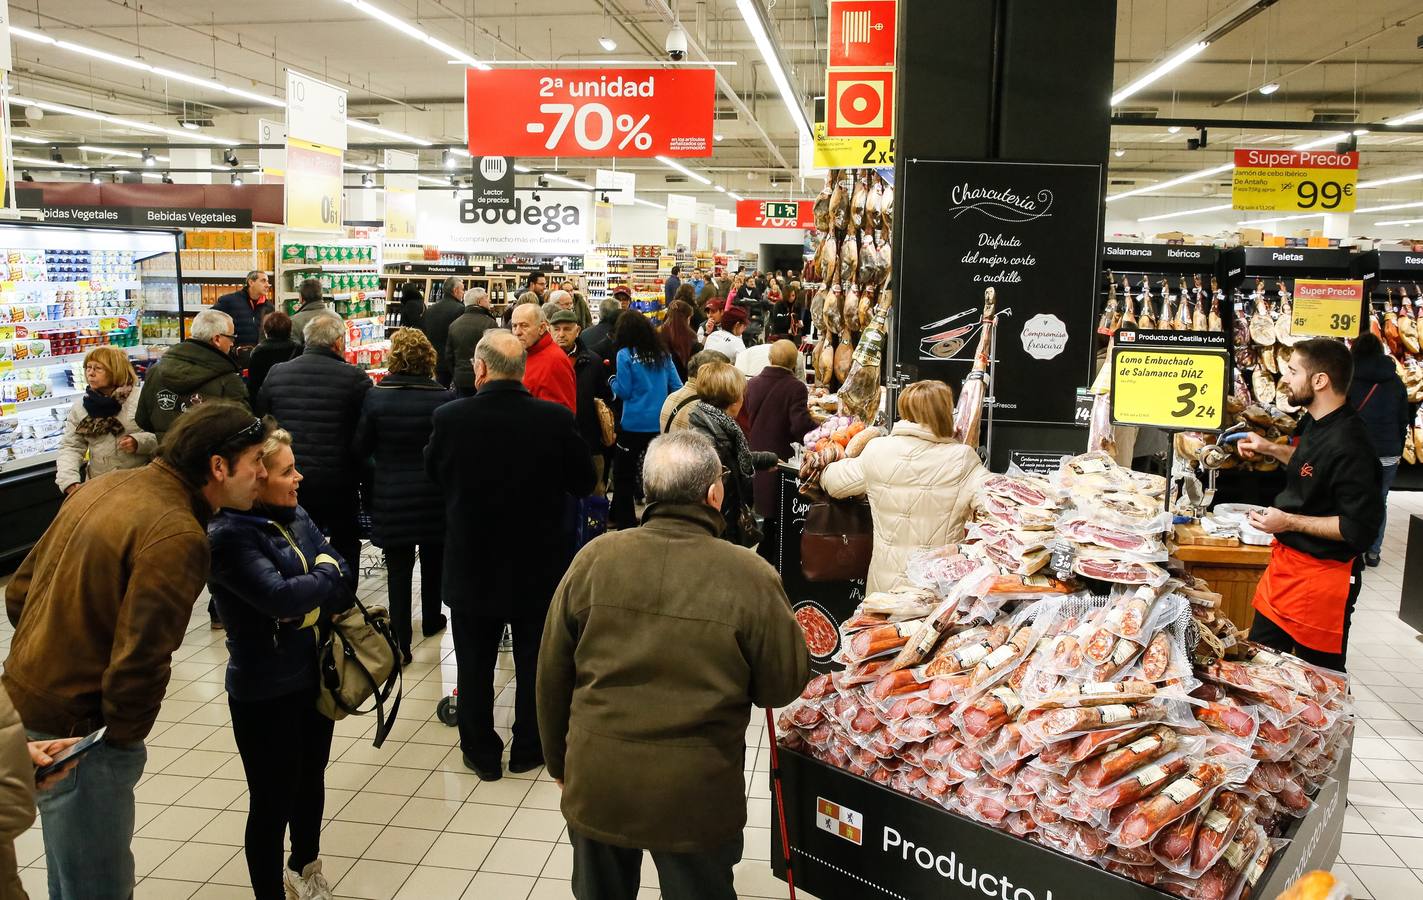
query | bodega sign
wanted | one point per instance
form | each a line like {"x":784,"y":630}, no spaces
{"x":559,"y":223}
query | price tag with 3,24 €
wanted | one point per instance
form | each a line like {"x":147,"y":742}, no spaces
{"x":1327,"y":308}
{"x":1180,"y":389}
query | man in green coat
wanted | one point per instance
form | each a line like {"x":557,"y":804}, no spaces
{"x":658,"y":642}
{"x":198,"y":369}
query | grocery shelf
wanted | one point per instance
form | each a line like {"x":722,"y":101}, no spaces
{"x":324,"y":267}
{"x":33,"y":323}
{"x":27,"y":462}
{"x":42,"y":361}
{"x":215,"y":273}
{"x":41,"y":403}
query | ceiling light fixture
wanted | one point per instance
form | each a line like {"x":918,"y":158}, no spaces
{"x":229,"y":157}
{"x":1274,"y":219}
{"x":760,"y":33}
{"x":191,"y":126}
{"x":1325,"y":141}
{"x":1268,"y":89}
{"x":55,"y":155}
{"x":1389,"y":208}
{"x":1173,"y":129}
{"x":1360,"y":132}
{"x":717,"y":137}
{"x":236,"y":180}
{"x":1407,"y":119}
{"x":118,"y":121}
{"x":673,"y":164}
{"x":1170,"y":64}
{"x":27,"y":176}
{"x":1398,"y":222}
{"x":448,"y":159}
{"x":1380,"y":182}
{"x":643,"y":202}
{"x":1186,"y":212}
{"x":561,"y":180}
{"x":406,"y":28}
{"x":36,"y":161}
{"x":1119,"y":153}
{"x":368,"y":180}
{"x":735,"y":196}
{"x":720,"y":189}
{"x":167,"y":179}
{"x":386,"y":132}
{"x":1194,"y":176}
{"x":114,"y":151}
{"x":148,"y":158}
{"x":607,"y":43}
{"x":442,"y":182}
{"x":94,"y":178}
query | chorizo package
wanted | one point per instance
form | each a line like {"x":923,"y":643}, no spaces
{"x":1145,"y":819}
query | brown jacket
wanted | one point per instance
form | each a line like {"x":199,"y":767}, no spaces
{"x":658,"y":642}
{"x":17,"y":796}
{"x":102,"y":601}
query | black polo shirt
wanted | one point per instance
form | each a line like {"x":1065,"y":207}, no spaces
{"x":1334,"y":472}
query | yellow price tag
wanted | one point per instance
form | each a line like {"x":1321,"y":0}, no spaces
{"x":846,"y":152}
{"x":1169,"y":387}
{"x":313,"y":187}
{"x":1327,"y":308}
{"x":1295,"y":181}
{"x":8,"y":409}
{"x":6,"y":365}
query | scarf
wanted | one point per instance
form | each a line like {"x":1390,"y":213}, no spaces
{"x":102,"y":412}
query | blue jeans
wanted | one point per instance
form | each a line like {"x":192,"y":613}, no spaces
{"x":88,"y":821}
{"x":1389,"y":473}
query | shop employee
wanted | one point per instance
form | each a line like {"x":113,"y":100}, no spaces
{"x":1326,"y":517}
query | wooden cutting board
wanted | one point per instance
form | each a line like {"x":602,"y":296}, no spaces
{"x":1193,"y":535}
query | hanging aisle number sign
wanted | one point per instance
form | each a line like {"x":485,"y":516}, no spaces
{"x":590,"y":112}
{"x":1177,"y":388}
{"x":316,"y":141}
{"x":1327,"y":308}
{"x":1295,"y":180}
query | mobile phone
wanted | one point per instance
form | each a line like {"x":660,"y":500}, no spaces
{"x":73,"y":750}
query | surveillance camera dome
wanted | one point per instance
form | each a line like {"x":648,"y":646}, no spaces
{"x":676,"y":43}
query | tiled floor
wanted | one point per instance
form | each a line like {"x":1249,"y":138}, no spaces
{"x":408,"y":821}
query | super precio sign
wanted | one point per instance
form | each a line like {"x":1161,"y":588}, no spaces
{"x":590,"y":112}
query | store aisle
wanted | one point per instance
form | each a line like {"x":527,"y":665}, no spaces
{"x":408,"y":821}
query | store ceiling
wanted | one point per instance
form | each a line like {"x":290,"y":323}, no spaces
{"x":1360,"y":61}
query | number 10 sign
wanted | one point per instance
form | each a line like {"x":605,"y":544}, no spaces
{"x":1177,"y":388}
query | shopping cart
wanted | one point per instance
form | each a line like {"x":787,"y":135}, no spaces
{"x":447,"y":710}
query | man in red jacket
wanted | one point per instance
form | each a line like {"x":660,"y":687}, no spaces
{"x":548,"y":373}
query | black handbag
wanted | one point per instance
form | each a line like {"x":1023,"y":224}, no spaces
{"x":838,"y":540}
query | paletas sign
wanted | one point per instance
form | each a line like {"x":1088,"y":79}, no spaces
{"x":590,"y":112}
{"x":1295,"y":180}
{"x":775,"y":214}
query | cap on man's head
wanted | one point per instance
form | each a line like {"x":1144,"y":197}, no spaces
{"x":622,"y":291}
{"x":562,"y":316}
{"x":733,"y":317}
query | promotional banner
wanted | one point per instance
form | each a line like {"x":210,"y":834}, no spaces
{"x":1028,"y":230}
{"x":313,"y":187}
{"x":1295,"y":180}
{"x":860,"y":73}
{"x":619,"y":185}
{"x":402,"y":192}
{"x":273,"y":161}
{"x":1327,"y":308}
{"x":560,"y":223}
{"x":590,"y":112}
{"x":775,"y":213}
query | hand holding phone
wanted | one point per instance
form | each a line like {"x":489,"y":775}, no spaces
{"x":53,"y":759}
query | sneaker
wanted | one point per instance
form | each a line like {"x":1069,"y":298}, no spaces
{"x":1371,"y":559}
{"x":309,"y":885}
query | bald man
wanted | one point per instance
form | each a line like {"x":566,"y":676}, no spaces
{"x":548,"y":373}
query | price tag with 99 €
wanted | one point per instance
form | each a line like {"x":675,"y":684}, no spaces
{"x":1179,"y":389}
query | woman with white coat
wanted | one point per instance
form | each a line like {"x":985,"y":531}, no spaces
{"x":921,"y":482}
{"x":101,"y":426}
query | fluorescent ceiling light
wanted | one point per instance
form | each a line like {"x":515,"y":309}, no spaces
{"x":1185,"y":212}
{"x":1390,"y":207}
{"x":1282,"y":219}
{"x":116,"y":120}
{"x":1379,"y":224}
{"x":386,"y":132}
{"x":29,"y":140}
{"x":1151,"y":75}
{"x":561,"y":180}
{"x":428,"y":180}
{"x":607,"y":43}
{"x":522,"y":170}
{"x":191,"y":126}
{"x":36,"y":161}
{"x":720,"y":189}
{"x":1380,"y":182}
{"x":1204,"y":173}
{"x":751,"y":12}
{"x":1397,"y":120}
{"x":1268,"y":89}
{"x":673,"y":164}
{"x":1323,"y":142}
{"x":117,"y":152}
{"x":648,"y":203}
{"x":735,"y":196}
{"x":1360,"y":132}
{"x":409,"y":29}
{"x":361,"y":168}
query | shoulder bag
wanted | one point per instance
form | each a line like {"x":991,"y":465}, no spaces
{"x":838,"y":540}
{"x":607,"y":428}
{"x":358,"y":660}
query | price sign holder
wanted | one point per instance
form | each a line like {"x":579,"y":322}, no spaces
{"x":1295,"y":181}
{"x":1181,"y":387}
{"x":1328,"y":308}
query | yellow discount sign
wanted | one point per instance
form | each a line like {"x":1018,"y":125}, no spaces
{"x":313,"y":186}
{"x":1177,"y":388}
{"x":851,"y":152}
{"x":1327,"y":308}
{"x":1294,"y":180}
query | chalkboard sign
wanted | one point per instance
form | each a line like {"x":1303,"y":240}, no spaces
{"x":1031,"y":232}
{"x":1042,"y":464}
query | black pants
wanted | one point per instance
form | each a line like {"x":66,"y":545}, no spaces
{"x":604,"y":872}
{"x":334,"y":510}
{"x":476,"y":640}
{"x":1267,"y":632}
{"x":284,"y":744}
{"x":627,"y":475}
{"x":399,"y":567}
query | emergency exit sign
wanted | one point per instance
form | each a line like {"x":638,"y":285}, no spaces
{"x":775,"y":214}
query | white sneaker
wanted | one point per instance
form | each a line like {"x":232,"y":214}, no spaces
{"x":309,"y":885}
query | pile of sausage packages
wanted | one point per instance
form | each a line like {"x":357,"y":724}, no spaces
{"x":1057,"y":677}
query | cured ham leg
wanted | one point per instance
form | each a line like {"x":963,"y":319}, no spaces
{"x":968,"y":415}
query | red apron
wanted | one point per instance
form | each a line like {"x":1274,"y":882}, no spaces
{"x":1306,"y":596}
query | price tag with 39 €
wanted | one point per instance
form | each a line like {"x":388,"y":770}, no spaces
{"x":1327,"y":308}
{"x":1179,"y":389}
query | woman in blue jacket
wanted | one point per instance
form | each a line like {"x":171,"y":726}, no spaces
{"x":407,"y":508}
{"x":276,"y":582}
{"x":645,"y":375}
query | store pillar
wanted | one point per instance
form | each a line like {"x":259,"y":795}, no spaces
{"x":1025,"y":84}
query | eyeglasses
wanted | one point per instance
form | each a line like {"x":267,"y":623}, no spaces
{"x":229,"y":335}
{"x":725,"y":472}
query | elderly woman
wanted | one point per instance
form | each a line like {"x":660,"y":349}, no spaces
{"x":100,"y":428}
{"x":722,"y":389}
{"x":407,"y":509}
{"x":920,"y":481}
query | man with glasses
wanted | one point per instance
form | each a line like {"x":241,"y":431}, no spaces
{"x":196,"y":370}
{"x":99,"y":605}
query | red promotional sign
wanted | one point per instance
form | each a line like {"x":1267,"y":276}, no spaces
{"x":590,"y":112}
{"x":862,"y":33}
{"x":775,"y":214}
{"x":859,"y":103}
{"x":1296,"y":159}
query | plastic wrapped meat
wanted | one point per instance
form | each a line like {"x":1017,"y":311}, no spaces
{"x":839,"y":204}
{"x":859,"y":201}
{"x":822,"y":204}
{"x":849,"y":260}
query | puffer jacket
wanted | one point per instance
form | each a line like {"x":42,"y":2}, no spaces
{"x":246,"y":318}
{"x":272,"y":573}
{"x":735,"y":454}
{"x":407,"y":508}
{"x":590,"y":373}
{"x":1380,"y":398}
{"x":102,"y":449}
{"x":318,"y":398}
{"x":464,"y":335}
{"x":921,"y":488}
{"x":188,"y":374}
